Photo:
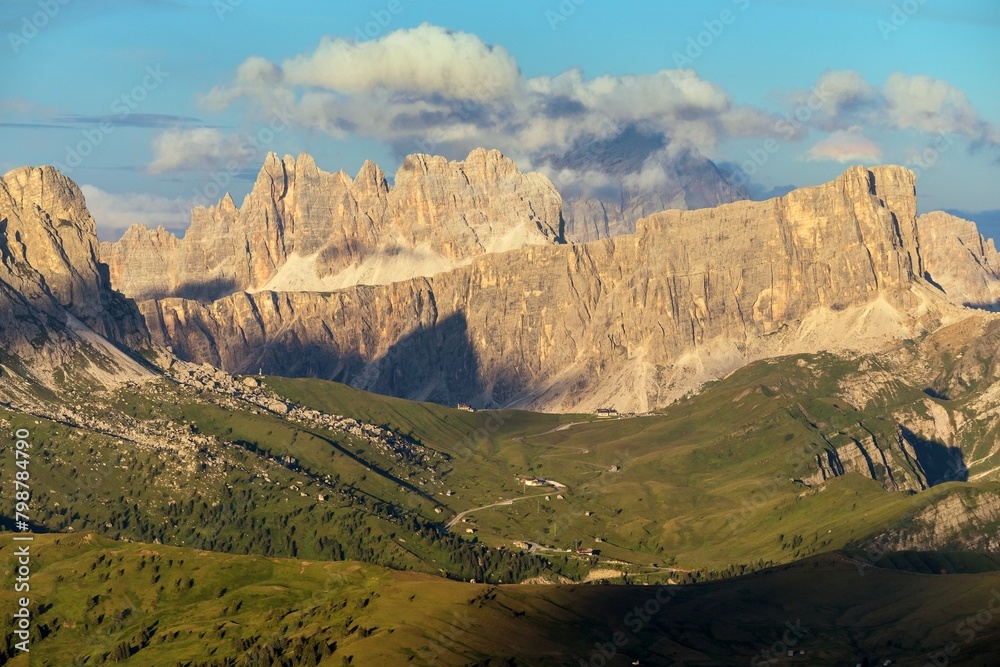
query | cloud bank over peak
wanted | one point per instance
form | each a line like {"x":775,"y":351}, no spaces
{"x":428,"y":89}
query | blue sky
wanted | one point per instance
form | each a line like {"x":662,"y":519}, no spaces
{"x":170,"y":98}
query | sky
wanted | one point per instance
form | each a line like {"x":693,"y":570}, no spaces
{"x":156,"y":105}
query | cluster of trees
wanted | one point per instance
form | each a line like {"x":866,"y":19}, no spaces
{"x":253,"y":652}
{"x":735,"y":570}
{"x":232,"y":511}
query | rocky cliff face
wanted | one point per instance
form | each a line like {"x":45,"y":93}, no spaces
{"x":960,"y":260}
{"x":305,"y":229}
{"x":57,"y":307}
{"x":966,"y":521}
{"x":634,"y":321}
{"x":887,"y":459}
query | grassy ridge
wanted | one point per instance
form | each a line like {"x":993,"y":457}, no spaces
{"x":228,"y":498}
{"x":712,"y":482}
{"x":99,"y":601}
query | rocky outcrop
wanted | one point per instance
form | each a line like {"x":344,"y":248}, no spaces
{"x":890,"y":461}
{"x":635,"y":321}
{"x":957,"y":258}
{"x":57,"y":309}
{"x":963,"y":521}
{"x":303,"y":229}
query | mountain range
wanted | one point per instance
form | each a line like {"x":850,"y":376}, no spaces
{"x":816,"y":374}
{"x":457,"y":283}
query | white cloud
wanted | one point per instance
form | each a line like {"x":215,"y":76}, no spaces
{"x":431,"y":90}
{"x":428,"y":89}
{"x":115,"y":212}
{"x":653,"y":176}
{"x":426,"y":59}
{"x":837,"y":94}
{"x":194,"y":147}
{"x":850,"y":145}
{"x":256,"y":78}
{"x":931,"y":105}
{"x":843,"y":99}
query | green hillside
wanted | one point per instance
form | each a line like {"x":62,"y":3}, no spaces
{"x":102,"y":602}
{"x":708,"y":484}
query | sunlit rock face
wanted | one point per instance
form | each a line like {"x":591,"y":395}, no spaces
{"x":303,"y":229}
{"x":635,"y":321}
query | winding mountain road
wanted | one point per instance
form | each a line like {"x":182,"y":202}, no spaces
{"x":510,"y":501}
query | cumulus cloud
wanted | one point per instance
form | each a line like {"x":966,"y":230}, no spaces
{"x":114,"y":213}
{"x":429,"y":89}
{"x":935,"y":106}
{"x":194,"y":148}
{"x":432,"y":90}
{"x":256,"y":78}
{"x":843,"y":99}
{"x":427,"y":60}
{"x":838,"y":95}
{"x":850,"y":145}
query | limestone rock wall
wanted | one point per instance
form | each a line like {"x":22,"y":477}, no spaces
{"x":58,"y":312}
{"x":960,"y":260}
{"x":304,"y":229}
{"x":619,"y":320}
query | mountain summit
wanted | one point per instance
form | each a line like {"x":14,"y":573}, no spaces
{"x":635,"y":321}
{"x":303,"y":229}
{"x":59,"y":315}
